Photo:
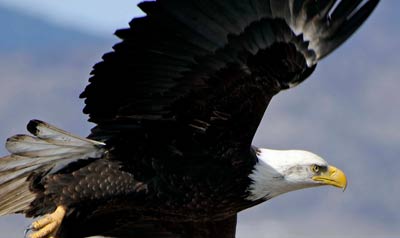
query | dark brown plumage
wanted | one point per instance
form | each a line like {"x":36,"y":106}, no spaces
{"x":176,"y":105}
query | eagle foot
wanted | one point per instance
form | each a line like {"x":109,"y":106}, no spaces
{"x":48,"y":226}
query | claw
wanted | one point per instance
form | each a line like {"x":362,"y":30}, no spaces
{"x":48,"y":226}
{"x":27,"y":230}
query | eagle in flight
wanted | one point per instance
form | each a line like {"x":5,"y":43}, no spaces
{"x":176,"y":105}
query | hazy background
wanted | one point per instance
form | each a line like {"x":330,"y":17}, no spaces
{"x":348,"y":111}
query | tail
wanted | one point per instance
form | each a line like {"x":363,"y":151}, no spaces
{"x":46,"y":152}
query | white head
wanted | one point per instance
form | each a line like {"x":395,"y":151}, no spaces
{"x":281,"y":171}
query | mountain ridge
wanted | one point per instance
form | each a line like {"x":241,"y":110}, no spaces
{"x":28,"y":33}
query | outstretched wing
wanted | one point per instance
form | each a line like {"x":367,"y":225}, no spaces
{"x":211,"y":67}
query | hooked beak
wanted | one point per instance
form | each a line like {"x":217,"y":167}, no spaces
{"x":332,"y":176}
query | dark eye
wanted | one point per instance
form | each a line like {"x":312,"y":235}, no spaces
{"x":315,"y":168}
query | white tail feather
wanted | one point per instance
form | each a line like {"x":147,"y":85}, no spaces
{"x":48,"y":151}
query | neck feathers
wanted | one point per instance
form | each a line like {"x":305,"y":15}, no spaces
{"x":267,"y":182}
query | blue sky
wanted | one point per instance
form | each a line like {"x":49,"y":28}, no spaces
{"x":99,"y":16}
{"x":348,"y":112}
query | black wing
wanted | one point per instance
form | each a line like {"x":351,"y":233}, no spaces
{"x":186,"y":88}
{"x":209,"y":67}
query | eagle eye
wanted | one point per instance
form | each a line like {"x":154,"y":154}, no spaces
{"x":315,"y":168}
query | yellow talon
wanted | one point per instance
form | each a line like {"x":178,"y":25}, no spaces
{"x":48,"y":226}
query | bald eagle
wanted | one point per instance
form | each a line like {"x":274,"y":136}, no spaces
{"x":176,"y":105}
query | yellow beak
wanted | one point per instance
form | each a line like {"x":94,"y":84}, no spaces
{"x":332,"y":176}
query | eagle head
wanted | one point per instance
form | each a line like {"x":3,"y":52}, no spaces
{"x":280,"y":171}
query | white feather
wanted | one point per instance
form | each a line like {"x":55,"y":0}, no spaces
{"x":281,"y":171}
{"x":55,"y":135}
{"x":49,"y":150}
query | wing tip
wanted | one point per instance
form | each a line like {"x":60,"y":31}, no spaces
{"x":345,"y":20}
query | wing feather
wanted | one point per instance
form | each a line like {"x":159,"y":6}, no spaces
{"x":181,"y":56}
